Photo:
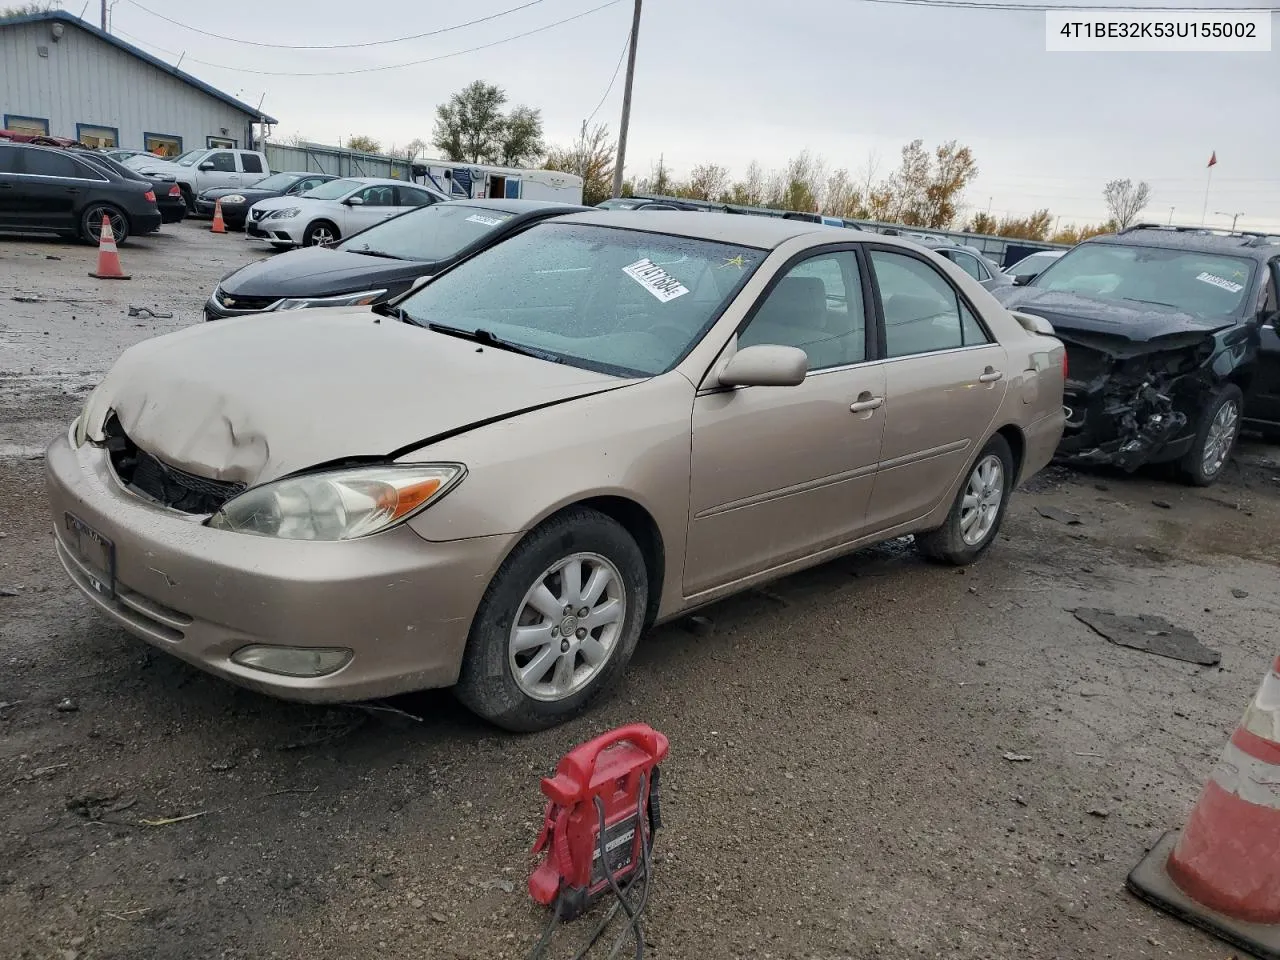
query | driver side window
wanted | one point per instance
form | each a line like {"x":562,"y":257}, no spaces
{"x":816,"y":306}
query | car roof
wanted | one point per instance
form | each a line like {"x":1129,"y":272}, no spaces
{"x":310,"y":173}
{"x":1194,"y":240}
{"x":521,"y":206}
{"x":751,"y":231}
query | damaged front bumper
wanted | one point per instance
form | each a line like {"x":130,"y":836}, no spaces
{"x":1125,"y":428}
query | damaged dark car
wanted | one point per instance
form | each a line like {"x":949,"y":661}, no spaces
{"x":1172,"y":346}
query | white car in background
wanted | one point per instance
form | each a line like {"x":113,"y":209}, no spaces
{"x":334,"y":210}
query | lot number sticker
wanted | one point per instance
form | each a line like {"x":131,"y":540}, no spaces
{"x":487,"y":221}
{"x":656,"y":280}
{"x":1227,"y":285}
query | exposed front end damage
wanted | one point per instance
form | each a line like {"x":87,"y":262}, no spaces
{"x":1127,"y":406}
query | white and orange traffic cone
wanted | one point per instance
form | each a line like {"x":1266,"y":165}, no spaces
{"x":108,"y":257}
{"x":1222,"y":871}
{"x":219,"y":225}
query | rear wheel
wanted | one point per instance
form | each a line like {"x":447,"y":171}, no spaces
{"x":189,"y":199}
{"x":322,"y":233}
{"x":91,"y":223}
{"x":557,"y":625}
{"x":974,"y":521}
{"x":1217,"y":434}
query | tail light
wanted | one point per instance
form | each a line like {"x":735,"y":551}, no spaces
{"x":149,"y":196}
{"x":1064,"y":365}
{"x":175,"y":191}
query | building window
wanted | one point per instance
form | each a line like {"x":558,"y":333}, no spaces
{"x":36,"y":126}
{"x":162,"y":144}
{"x":97,"y":136}
{"x":226,"y":142}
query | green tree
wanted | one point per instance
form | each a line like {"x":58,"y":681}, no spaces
{"x":707,"y":181}
{"x":472,"y":127}
{"x":1072,"y":234}
{"x":592,"y":157}
{"x":363,"y":144}
{"x":983,"y":223}
{"x":749,"y":191}
{"x":1033,"y":227}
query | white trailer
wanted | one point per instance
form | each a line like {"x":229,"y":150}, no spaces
{"x":480,"y":181}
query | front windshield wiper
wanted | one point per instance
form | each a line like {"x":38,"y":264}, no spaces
{"x":377,"y":253}
{"x":489,"y":340}
{"x":1158,"y":303}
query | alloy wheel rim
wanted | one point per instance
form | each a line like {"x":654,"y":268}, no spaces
{"x":321,"y":237}
{"x":983,"y":495}
{"x":1222,"y":434}
{"x":95,"y":222}
{"x":567,"y":627}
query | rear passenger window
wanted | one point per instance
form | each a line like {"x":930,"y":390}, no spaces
{"x":47,"y":163}
{"x":252,"y":162}
{"x":922,"y":311}
{"x":817,"y":306}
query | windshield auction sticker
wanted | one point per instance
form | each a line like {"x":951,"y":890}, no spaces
{"x":1158,"y":31}
{"x":487,"y":221}
{"x":656,"y":280}
{"x":1222,"y":282}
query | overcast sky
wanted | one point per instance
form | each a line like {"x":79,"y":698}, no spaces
{"x":734,"y":80}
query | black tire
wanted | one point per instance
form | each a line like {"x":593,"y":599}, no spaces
{"x":309,"y":238}
{"x":1192,"y":469}
{"x":189,"y":198}
{"x":91,"y":222}
{"x":487,"y":685}
{"x":947,"y":544}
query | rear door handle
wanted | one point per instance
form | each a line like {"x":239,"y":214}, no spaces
{"x":866,"y":403}
{"x":991,"y":376}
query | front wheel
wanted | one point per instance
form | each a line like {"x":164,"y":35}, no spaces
{"x":974,"y":521}
{"x":322,"y":233}
{"x":91,"y":223}
{"x":1219,"y":428}
{"x":557,"y":625}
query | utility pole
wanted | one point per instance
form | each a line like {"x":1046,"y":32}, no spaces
{"x":104,"y":16}
{"x":626,"y":103}
{"x":1171,"y":209}
{"x":1234,"y":217}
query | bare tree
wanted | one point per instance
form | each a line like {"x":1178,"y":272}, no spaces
{"x":415,"y":147}
{"x":1125,"y":200}
{"x":591,"y":157}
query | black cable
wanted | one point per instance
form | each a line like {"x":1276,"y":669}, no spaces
{"x":333,"y":46}
{"x":612,"y":80}
{"x":388,"y":66}
{"x":632,"y":916}
{"x":646,"y":875}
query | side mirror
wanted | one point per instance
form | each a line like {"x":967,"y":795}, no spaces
{"x":1022,"y":279}
{"x":354,"y":201}
{"x":765,"y":365}
{"x":207,"y":165}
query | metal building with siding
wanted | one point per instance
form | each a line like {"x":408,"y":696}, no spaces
{"x":63,"y":77}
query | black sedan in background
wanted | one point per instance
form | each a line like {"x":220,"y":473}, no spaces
{"x":379,"y":263}
{"x":53,"y":191}
{"x":236,"y":201}
{"x":169,"y":200}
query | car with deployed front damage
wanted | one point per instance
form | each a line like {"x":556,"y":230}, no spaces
{"x":601,"y":423}
{"x":1171,"y":341}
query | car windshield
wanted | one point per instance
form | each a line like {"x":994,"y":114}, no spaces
{"x":1198,"y":283}
{"x":429,"y":233}
{"x":625,"y":302}
{"x":277,"y":181}
{"x":333,"y":190}
{"x":188,"y":158}
{"x":1037,"y":261}
{"x":618,"y":204}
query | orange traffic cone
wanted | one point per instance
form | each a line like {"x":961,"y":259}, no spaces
{"x":1222,"y":872}
{"x":108,"y":257}
{"x":219,"y":226}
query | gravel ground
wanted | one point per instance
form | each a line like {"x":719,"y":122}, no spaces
{"x":837,"y":785}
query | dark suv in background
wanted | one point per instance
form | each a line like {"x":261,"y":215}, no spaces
{"x":52,"y":191}
{"x":1172,"y":344}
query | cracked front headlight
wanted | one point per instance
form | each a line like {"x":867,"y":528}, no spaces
{"x":363,"y":298}
{"x":338,"y":504}
{"x":286,"y":214}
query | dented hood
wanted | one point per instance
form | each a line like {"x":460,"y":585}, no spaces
{"x":1126,"y":320}
{"x":255,"y":399}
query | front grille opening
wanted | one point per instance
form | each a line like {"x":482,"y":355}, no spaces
{"x":230,"y":302}
{"x":148,"y":477}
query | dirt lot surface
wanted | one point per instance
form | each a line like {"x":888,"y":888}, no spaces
{"x":838,"y":783}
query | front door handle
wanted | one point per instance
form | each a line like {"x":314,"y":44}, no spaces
{"x":990,"y":376}
{"x":865,"y":402}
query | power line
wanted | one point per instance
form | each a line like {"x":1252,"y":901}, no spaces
{"x":390,"y":66}
{"x":614,"y":79}
{"x":334,"y":46}
{"x":1040,"y":7}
